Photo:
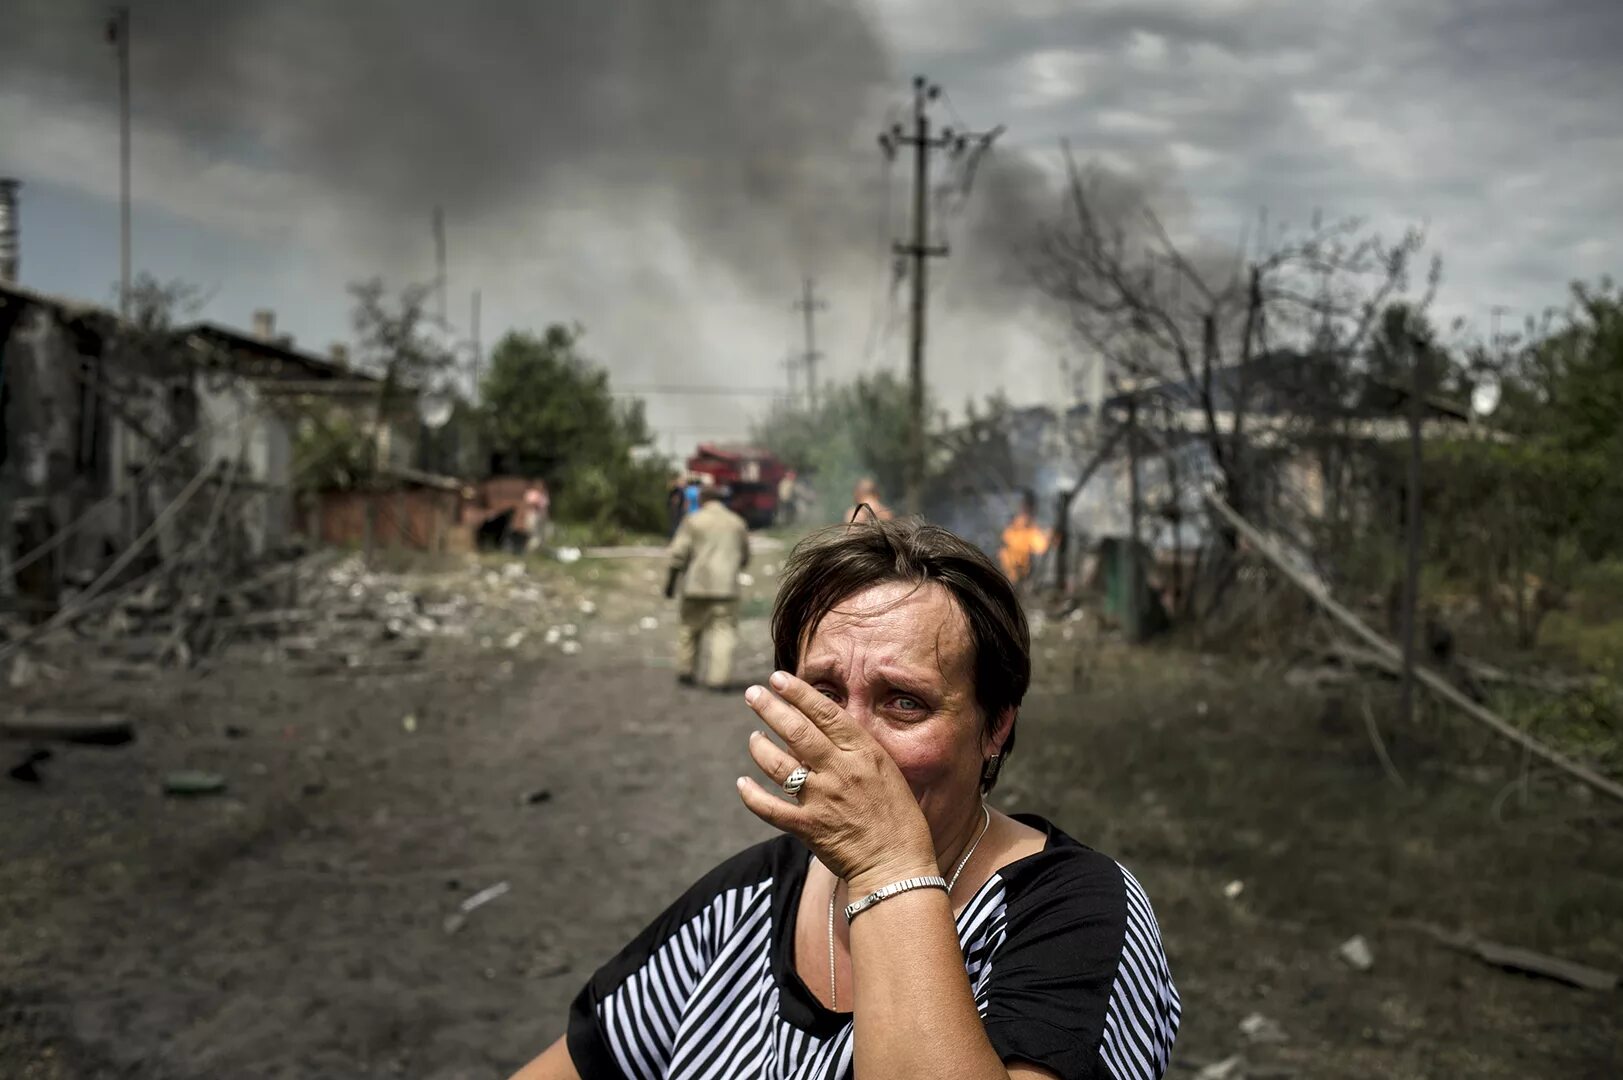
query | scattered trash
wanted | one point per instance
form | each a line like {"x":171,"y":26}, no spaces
{"x":532,"y":798}
{"x":1201,"y":708}
{"x":567,"y":554}
{"x":459,"y":918}
{"x":746,"y":580}
{"x":570,"y":647}
{"x":1357,"y":953}
{"x":569,"y":629}
{"x":648,"y":622}
{"x":1259,"y":1029}
{"x":513,"y":570}
{"x":553,"y":635}
{"x":25,"y":771}
{"x":190,"y":782}
{"x":24,"y":672}
{"x":1233,"y":889}
{"x":1230,"y":1068}
{"x":409,"y":723}
{"x":513,"y":640}
{"x":587,"y":607}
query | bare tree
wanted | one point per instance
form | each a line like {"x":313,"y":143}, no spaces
{"x":1232,"y":329}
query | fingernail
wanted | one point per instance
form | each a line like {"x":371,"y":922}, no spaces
{"x":754,"y":735}
{"x":752,"y":693}
{"x":779,"y":680}
{"x":741,"y":782}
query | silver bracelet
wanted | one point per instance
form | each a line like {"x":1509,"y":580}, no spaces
{"x":857,"y":906}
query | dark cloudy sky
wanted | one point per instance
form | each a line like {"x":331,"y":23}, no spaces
{"x":665,"y":173}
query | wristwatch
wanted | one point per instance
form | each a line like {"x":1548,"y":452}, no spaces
{"x":856,"y":907}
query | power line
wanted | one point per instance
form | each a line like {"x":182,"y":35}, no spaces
{"x":736,"y":391}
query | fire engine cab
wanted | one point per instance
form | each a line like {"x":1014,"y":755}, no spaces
{"x":751,"y":475}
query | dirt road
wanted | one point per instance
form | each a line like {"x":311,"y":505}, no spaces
{"x":296,"y":925}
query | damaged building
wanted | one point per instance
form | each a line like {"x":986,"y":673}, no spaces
{"x":105,"y":422}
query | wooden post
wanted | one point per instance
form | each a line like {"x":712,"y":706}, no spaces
{"x":1135,"y":589}
{"x":1412,"y":534}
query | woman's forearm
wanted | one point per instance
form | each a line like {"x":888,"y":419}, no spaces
{"x":914,"y":1012}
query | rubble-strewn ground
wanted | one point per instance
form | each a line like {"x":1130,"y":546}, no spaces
{"x":379,"y":775}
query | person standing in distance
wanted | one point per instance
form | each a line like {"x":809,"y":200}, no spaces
{"x":711,"y":546}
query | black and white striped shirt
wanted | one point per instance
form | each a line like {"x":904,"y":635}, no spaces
{"x":1062,"y":950}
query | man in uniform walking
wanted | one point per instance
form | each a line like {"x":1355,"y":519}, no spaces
{"x":711,"y":546}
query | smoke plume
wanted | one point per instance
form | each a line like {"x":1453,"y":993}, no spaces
{"x":664,"y":173}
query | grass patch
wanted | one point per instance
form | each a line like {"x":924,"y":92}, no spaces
{"x":1196,"y":771}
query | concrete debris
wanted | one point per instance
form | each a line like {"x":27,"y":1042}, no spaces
{"x":1357,"y":953}
{"x":1230,"y":1068}
{"x":1259,"y":1029}
{"x":321,"y":612}
{"x":457,"y":919}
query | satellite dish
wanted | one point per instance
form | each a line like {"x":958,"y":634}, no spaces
{"x":1485,"y":395}
{"x":435,"y":410}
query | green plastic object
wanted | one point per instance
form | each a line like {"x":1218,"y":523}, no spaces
{"x":193,"y":783}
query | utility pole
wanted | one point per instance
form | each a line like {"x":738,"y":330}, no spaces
{"x":920,"y":250}
{"x":478,"y":346}
{"x":809,"y":305}
{"x":439,"y":262}
{"x":791,"y":363}
{"x":118,"y":33}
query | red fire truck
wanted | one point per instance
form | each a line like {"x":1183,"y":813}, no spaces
{"x":750,"y":474}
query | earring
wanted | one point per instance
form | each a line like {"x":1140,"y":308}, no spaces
{"x":993,"y":766}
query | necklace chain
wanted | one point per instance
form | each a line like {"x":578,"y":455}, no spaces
{"x":833,"y":894}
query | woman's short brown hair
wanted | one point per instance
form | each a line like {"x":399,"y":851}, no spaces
{"x":836,"y":563}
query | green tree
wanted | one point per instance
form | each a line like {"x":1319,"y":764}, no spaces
{"x":858,"y":429}
{"x":1520,"y":513}
{"x":549,"y":412}
{"x":352,"y":443}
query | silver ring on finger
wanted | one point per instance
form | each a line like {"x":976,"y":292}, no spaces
{"x":795,"y":781}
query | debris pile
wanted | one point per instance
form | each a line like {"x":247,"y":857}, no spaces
{"x":324,"y":612}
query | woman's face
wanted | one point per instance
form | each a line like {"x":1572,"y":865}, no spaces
{"x":898,"y":658}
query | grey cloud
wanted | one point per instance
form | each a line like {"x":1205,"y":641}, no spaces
{"x":746,"y":112}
